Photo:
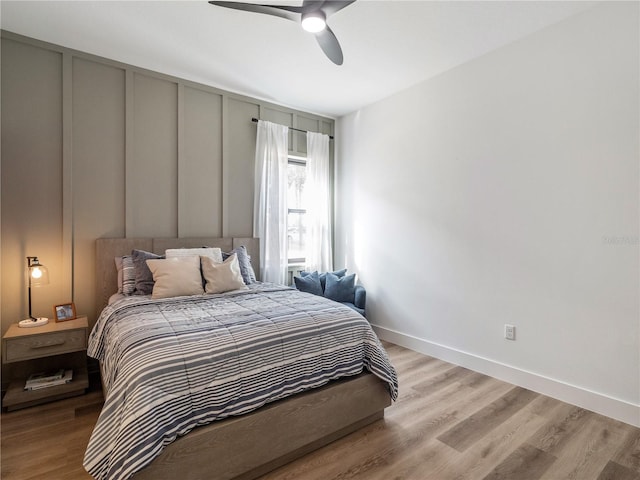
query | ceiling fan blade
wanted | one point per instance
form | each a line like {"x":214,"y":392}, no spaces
{"x":330,"y":46}
{"x":282,"y":11}
{"x":329,"y":7}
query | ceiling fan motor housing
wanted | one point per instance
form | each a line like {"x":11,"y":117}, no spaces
{"x":314,"y":22}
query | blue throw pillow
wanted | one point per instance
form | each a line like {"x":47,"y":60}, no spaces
{"x":323,"y":276}
{"x":309,"y":283}
{"x":340,"y":289}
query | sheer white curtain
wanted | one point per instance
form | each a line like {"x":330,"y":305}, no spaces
{"x":318,"y":185}
{"x":270,"y":200}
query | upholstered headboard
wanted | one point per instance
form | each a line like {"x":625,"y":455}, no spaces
{"x":109,"y":248}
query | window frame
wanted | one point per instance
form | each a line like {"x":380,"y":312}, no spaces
{"x":302,"y":162}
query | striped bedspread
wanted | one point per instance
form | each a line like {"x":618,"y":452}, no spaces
{"x":174,"y":364}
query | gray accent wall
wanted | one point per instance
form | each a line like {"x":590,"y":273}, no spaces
{"x":95,"y":148}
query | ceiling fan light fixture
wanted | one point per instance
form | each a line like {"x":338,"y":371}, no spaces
{"x":312,"y":15}
{"x":314,"y":22}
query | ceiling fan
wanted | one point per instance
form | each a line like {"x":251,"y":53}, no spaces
{"x":312,"y":15}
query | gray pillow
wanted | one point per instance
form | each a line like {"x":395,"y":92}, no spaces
{"x":244,"y":260}
{"x":323,"y":276}
{"x":144,"y":277}
{"x":309,"y":283}
{"x":128,"y":276}
{"x":340,"y":289}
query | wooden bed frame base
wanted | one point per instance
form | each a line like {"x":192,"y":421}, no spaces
{"x":251,"y":445}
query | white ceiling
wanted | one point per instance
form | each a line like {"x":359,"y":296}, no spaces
{"x":388,"y":45}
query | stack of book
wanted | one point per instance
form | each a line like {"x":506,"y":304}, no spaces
{"x":40,"y":380}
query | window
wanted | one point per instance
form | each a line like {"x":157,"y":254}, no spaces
{"x":296,"y":216}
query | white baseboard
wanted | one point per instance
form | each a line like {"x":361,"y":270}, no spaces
{"x":594,"y":401}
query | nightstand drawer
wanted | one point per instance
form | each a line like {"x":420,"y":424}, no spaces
{"x":44,"y":345}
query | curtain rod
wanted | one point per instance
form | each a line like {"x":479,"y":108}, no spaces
{"x":255,"y":120}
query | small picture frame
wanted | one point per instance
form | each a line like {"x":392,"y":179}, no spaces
{"x":64,"y":312}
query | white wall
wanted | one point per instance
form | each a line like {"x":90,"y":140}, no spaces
{"x":506,"y":191}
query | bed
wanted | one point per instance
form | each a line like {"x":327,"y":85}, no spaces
{"x":284,"y":420}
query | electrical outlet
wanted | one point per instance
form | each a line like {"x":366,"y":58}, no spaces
{"x":509,"y":332}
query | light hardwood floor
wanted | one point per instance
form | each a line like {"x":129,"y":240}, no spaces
{"x":449,"y":423}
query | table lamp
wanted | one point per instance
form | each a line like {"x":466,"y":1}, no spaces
{"x":38,"y":275}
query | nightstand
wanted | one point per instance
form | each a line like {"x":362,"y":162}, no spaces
{"x":51,"y":346}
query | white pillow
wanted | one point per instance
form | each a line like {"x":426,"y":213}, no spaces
{"x":222,"y":277}
{"x":213,"y":252}
{"x":176,"y":276}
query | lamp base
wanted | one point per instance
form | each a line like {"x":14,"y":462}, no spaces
{"x":38,"y":322}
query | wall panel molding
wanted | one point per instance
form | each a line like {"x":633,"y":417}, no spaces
{"x":67,"y":174}
{"x":98,"y":167}
{"x":129,"y":122}
{"x":32,"y":178}
{"x":200,"y":177}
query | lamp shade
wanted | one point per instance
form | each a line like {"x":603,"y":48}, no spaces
{"x":38,"y":273}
